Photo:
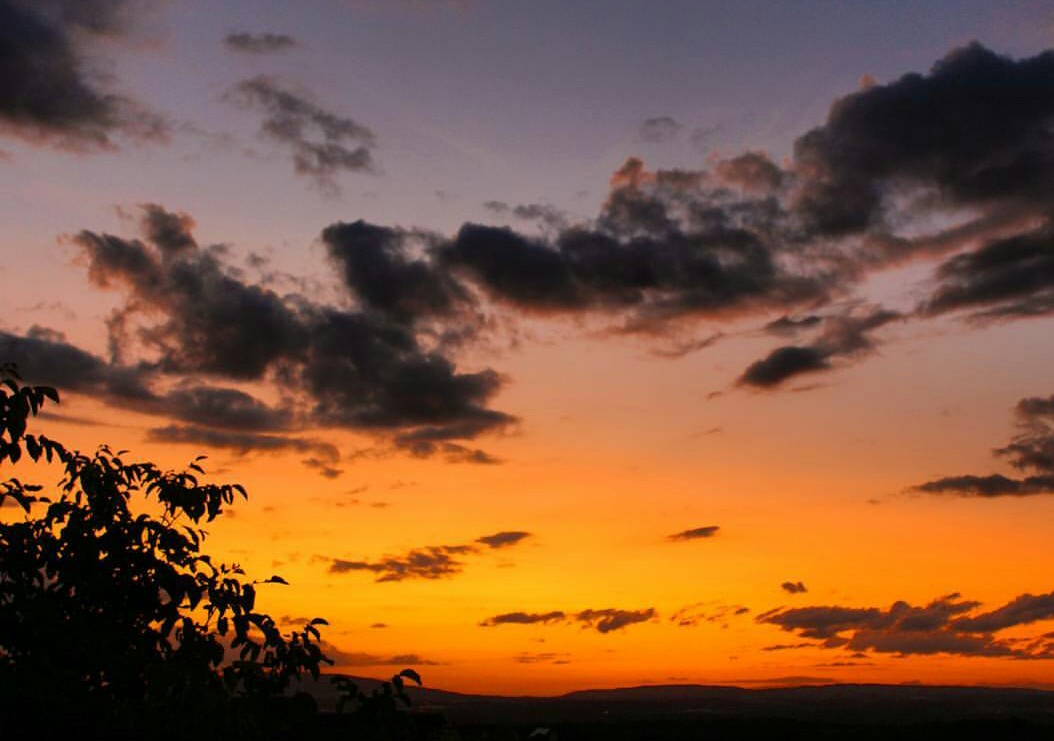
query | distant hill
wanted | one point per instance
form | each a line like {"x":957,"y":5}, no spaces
{"x":836,"y":703}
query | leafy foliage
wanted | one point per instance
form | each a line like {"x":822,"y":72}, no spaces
{"x":113,"y":618}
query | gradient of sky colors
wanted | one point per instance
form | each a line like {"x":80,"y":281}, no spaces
{"x":625,"y":376}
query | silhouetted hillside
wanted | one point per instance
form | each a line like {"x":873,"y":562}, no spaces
{"x":841,"y":703}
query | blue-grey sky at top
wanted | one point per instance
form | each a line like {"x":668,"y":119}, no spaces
{"x":513,"y":101}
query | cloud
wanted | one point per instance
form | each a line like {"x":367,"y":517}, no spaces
{"x":692,"y":615}
{"x":752,"y":171}
{"x":608,"y":620}
{"x":669,"y":247}
{"x":322,"y":143}
{"x":48,"y":95}
{"x":750,"y":236}
{"x":1022,"y":610}
{"x":241,"y":442}
{"x":193,"y":315}
{"x":1031,"y":450}
{"x":788,"y":646}
{"x":787,"y":325}
{"x":324,"y":468}
{"x":259,"y":43}
{"x":1005,"y":279}
{"x":430,"y":562}
{"x":935,"y":131}
{"x":44,"y":357}
{"x":947,"y":625}
{"x":542,"y":658}
{"x":603,"y":621}
{"x":525,"y":618}
{"x":659,"y":130}
{"x":783,"y":363}
{"x":696,"y":533}
{"x":378,"y":268}
{"x":218,"y":416}
{"x":793,"y":587}
{"x":170,"y":232}
{"x":504,"y":539}
{"x":992,"y":485}
{"x":844,"y":337}
{"x":227,"y":408}
{"x":428,"y":441}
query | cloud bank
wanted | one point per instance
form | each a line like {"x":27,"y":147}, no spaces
{"x":947,"y":625}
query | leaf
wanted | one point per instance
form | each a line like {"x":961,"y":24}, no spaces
{"x":411,"y":674}
{"x":277,"y":580}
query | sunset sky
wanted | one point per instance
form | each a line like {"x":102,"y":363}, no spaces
{"x":566,"y":344}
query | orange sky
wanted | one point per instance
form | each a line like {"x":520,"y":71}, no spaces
{"x":805,"y":486}
{"x":599,"y":443}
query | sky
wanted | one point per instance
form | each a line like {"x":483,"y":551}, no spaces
{"x":566,"y":345}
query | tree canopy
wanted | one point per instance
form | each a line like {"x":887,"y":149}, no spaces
{"x":113,"y":617}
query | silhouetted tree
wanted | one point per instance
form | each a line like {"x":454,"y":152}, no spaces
{"x":114,"y":620}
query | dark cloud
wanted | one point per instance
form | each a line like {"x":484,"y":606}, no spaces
{"x":428,"y":441}
{"x":992,"y":485}
{"x":940,"y":131}
{"x":709,"y":612}
{"x":696,"y":533}
{"x":430,"y":562}
{"x":659,"y":130}
{"x":43,"y":356}
{"x":787,"y":325}
{"x":1035,"y":407}
{"x":242,"y":443}
{"x":948,"y":625}
{"x":171,"y":232}
{"x":542,"y":658}
{"x":603,"y":621}
{"x":322,"y":143}
{"x":503,"y":539}
{"x":1022,"y":610}
{"x":525,"y":618}
{"x":212,"y":322}
{"x":1031,"y":450}
{"x":608,"y":620}
{"x":225,"y":418}
{"x":755,"y":236}
{"x":664,"y":245}
{"x":227,"y":408}
{"x":196,"y":316}
{"x":783,"y":363}
{"x":380,"y":270}
{"x":843,"y":337}
{"x":1005,"y":279}
{"x":48,"y":94}
{"x":789,"y":646}
{"x":259,"y":43}
{"x":793,"y":587}
{"x":323,"y":467}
